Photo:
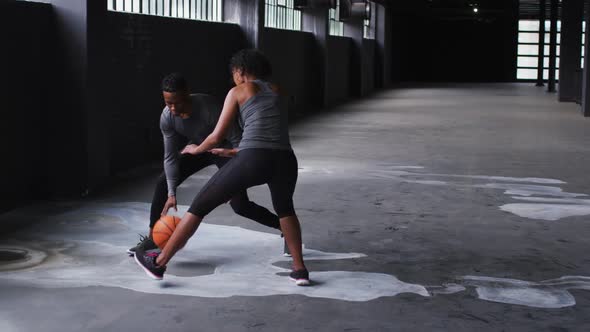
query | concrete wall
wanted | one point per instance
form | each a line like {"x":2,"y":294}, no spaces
{"x":294,"y":69}
{"x":337,"y":77}
{"x":26,"y":89}
{"x":142,"y":50}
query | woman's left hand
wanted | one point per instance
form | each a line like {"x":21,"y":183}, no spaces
{"x":190,"y":149}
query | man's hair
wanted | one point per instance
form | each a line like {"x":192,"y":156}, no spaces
{"x":174,"y":82}
{"x":252,"y":62}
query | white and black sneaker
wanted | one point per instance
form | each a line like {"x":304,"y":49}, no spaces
{"x":301,"y":277}
{"x":147,"y":261}
{"x":145,"y":243}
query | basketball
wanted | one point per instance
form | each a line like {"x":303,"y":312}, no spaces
{"x":163,"y":230}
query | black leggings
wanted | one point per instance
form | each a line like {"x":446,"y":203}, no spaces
{"x":251,"y":167}
{"x":240,"y":203}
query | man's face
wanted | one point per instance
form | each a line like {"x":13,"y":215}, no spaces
{"x":178,"y":103}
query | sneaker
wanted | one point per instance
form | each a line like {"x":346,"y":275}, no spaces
{"x":145,"y":243}
{"x":286,"y":251}
{"x":147,"y":261}
{"x":301,"y":277}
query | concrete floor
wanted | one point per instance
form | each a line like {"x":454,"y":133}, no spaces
{"x":454,"y":208}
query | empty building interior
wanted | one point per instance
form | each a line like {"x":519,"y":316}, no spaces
{"x":441,"y":147}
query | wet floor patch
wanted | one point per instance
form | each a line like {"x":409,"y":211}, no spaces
{"x":17,"y":258}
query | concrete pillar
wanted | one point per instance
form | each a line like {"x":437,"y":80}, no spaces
{"x":541,"y":53}
{"x":353,"y":28}
{"x":586,"y":75}
{"x":68,"y":164}
{"x":78,"y":143}
{"x":383,"y":27}
{"x":249,"y":14}
{"x":98,"y":156}
{"x":553,"y":46}
{"x":572,"y":12}
{"x":316,"y":21}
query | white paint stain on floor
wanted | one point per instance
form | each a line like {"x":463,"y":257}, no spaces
{"x":550,"y":294}
{"x":243,"y":261}
{"x":515,"y":187}
{"x":86,"y":247}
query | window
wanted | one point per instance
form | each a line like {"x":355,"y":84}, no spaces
{"x":207,"y":10}
{"x":281,"y":14}
{"x":528,"y":49}
{"x":369,"y":25}
{"x":336,"y":26}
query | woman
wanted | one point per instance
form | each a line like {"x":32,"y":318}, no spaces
{"x":264,"y":156}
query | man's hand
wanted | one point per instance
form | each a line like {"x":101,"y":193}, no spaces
{"x":170,"y":203}
{"x":190,"y":149}
{"x":228,"y":153}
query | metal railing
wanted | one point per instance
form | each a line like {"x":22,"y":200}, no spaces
{"x":280,"y":14}
{"x":207,"y":10}
{"x":336,"y":26}
{"x":369,"y":25}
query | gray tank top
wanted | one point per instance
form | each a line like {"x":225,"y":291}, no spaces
{"x":265,"y":124}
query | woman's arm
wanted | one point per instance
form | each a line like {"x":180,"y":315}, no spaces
{"x":227,"y":153}
{"x":230,"y":109}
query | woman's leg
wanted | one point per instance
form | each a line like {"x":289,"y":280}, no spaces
{"x":282,"y":187}
{"x":292,"y":230}
{"x":188,"y":165}
{"x":184,"y":231}
{"x":243,"y":206}
{"x":245,"y":170}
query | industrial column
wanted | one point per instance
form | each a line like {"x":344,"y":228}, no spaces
{"x":572,"y":15}
{"x":541,"y":53}
{"x":553,"y":46}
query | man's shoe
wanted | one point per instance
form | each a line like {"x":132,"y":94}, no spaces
{"x":301,"y":277}
{"x":147,"y":261}
{"x":145,"y":243}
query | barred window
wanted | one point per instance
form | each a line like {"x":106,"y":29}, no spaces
{"x":528,"y":49}
{"x":281,"y":14}
{"x":207,"y":10}
{"x":336,"y":26}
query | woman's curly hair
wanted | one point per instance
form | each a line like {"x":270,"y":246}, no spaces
{"x":252,"y":62}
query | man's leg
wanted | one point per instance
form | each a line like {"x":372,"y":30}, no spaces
{"x":188,"y":165}
{"x":240,"y":173}
{"x":242,"y":205}
{"x":158,"y":201}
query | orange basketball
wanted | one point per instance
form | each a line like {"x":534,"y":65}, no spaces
{"x":163,"y":230}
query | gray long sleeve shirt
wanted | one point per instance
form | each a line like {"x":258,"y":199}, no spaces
{"x":202,"y":121}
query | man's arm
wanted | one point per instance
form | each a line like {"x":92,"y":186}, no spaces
{"x":170,"y":154}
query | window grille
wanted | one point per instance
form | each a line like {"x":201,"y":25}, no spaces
{"x":207,"y":10}
{"x":281,"y":14}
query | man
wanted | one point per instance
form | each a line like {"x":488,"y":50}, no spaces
{"x":189,"y":119}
